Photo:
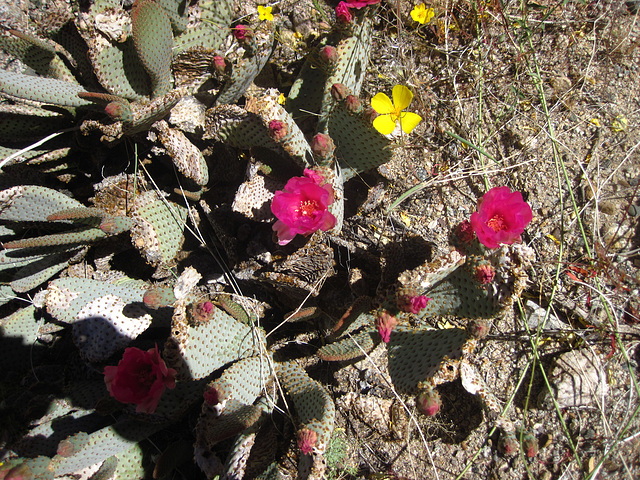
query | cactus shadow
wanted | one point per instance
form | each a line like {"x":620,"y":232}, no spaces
{"x":461,"y":413}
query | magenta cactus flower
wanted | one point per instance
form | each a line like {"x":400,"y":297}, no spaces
{"x":501,"y":217}
{"x":140,"y":378}
{"x":342,"y":13}
{"x":361,"y":3}
{"x":302,"y":207}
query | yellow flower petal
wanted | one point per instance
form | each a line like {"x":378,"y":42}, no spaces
{"x":384,"y":124}
{"x":264,"y":13}
{"x":419,"y":13}
{"x":409,"y":121}
{"x":402,"y":97}
{"x":381,"y":103}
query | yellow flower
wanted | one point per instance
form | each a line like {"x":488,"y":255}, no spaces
{"x":390,"y":112}
{"x":265,"y":13}
{"x":422,"y":14}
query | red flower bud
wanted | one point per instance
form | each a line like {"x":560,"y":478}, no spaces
{"x":278,"y":130}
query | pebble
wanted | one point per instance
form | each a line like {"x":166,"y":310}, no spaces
{"x":634,"y":210}
{"x":608,"y":208}
{"x":578,"y":380}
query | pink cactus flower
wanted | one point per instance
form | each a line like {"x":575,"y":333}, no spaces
{"x":342,"y":13}
{"x":302,"y":207}
{"x":385,"y":323}
{"x":140,"y":378}
{"x":501,"y":217}
{"x":361,"y":3}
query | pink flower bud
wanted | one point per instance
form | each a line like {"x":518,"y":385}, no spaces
{"x":478,"y":329}
{"x":339,"y":91}
{"x":353,"y":104}
{"x":307,"y":439}
{"x":278,"y":130}
{"x":485,"y":274}
{"x":241,"y":32}
{"x":328,"y":55}
{"x":508,"y":443}
{"x":464,"y":232}
{"x":211,"y":396}
{"x":529,"y":445}
{"x":219,"y":65}
{"x":322,"y":146}
{"x":428,"y":402}
{"x":369,"y":114}
{"x":385,"y":323}
{"x":409,"y":302}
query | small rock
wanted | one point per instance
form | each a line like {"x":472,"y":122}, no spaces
{"x":537,"y":316}
{"x":608,"y":208}
{"x":578,"y":380}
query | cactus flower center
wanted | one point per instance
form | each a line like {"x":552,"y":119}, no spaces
{"x":497,"y":223}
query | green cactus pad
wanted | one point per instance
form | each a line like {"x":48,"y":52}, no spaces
{"x":196,"y":351}
{"x":102,"y":444}
{"x":245,"y":380}
{"x":359,"y":147}
{"x":31,"y":203}
{"x":19,"y":332}
{"x":66,"y":297}
{"x":40,"y":270}
{"x":236,"y":127}
{"x":77,"y":237}
{"x":40,"y":89}
{"x":350,"y":347}
{"x":246,"y":69}
{"x":153,"y":40}
{"x":159,"y":226}
{"x":210,"y":32}
{"x":415,"y":356}
{"x":312,"y":402}
{"x":294,"y":142}
{"x":21,"y":123}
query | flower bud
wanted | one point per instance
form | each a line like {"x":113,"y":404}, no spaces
{"x":464,"y":232}
{"x":478,"y":329}
{"x":322,"y":146}
{"x":508,"y":443}
{"x":278,"y":130}
{"x":328,"y":55}
{"x":219,"y":65}
{"x":428,"y":402}
{"x":485,"y":274}
{"x":369,"y":114}
{"x":241,"y":32}
{"x":385,"y":323}
{"x":307,"y":439}
{"x":529,"y":445}
{"x":339,"y":91}
{"x":353,"y":104}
